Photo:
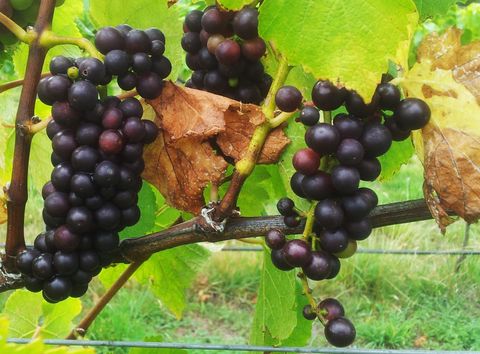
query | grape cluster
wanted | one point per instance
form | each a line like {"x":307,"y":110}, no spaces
{"x":224,"y":51}
{"x":23,"y":13}
{"x":92,"y":195}
{"x":135,"y":57}
{"x":329,"y":170}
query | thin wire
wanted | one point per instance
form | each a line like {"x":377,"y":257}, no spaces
{"x":241,"y":348}
{"x":376,"y":251}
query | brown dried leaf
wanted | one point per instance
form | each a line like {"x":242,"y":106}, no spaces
{"x":181,"y":163}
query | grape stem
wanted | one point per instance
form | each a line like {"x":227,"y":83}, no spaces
{"x":48,"y":39}
{"x":308,"y":294}
{"x":12,"y":84}
{"x":35,"y":128}
{"x":327,"y":117}
{"x":281,"y":118}
{"x":22,"y":35}
{"x":309,"y":221}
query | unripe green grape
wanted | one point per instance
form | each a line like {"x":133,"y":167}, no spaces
{"x":20,"y":5}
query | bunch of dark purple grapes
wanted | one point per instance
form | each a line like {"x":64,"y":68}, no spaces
{"x":329,"y":171}
{"x":224,"y":51}
{"x":135,"y":57}
{"x":92,"y":195}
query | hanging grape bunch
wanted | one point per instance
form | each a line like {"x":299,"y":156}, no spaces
{"x":97,"y":158}
{"x":224,"y":52}
{"x":23,"y":12}
{"x":329,"y":170}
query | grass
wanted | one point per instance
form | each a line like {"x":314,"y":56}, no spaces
{"x":395,"y":301}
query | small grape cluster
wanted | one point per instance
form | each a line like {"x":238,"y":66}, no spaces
{"x":93,"y":191}
{"x":136,"y":57}
{"x":23,"y":13}
{"x":224,"y":51}
{"x":329,"y":171}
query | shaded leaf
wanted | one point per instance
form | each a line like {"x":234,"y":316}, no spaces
{"x":233,"y":4}
{"x":432,"y":8}
{"x":156,"y":350}
{"x":147,"y":205}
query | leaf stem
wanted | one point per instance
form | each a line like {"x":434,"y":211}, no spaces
{"x":49,"y":39}
{"x":19,"y":32}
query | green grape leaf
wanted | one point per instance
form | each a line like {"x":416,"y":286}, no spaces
{"x":399,"y":154}
{"x":303,"y":330}
{"x":332,"y":41}
{"x":28,"y":313}
{"x":170,"y":273}
{"x":109,"y":275}
{"x":40,"y":166}
{"x":143,"y":14}
{"x":432,"y":8}
{"x":275,"y":313}
{"x":156,"y":350}
{"x":233,"y":4}
{"x":147,"y":205}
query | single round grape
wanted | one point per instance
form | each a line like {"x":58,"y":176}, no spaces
{"x":254,"y":70}
{"x":306,"y":161}
{"x":33,"y":284}
{"x":232,"y":71}
{"x":275,"y":239}
{"x":78,"y":290}
{"x":285,"y":206}
{"x":213,"y":42}
{"x":112,"y":118}
{"x":389,"y":96}
{"x":350,"y":152}
{"x":141,"y":63}
{"x":369,"y":169}
{"x":53,"y":128}
{"x":345,"y":179}
{"x":308,"y":313}
{"x":197,"y":78}
{"x":42,"y":266}
{"x":106,"y":241}
{"x":397,"y":133}
{"x":60,"y":64}
{"x":358,"y":230}
{"x":288,"y":98}
{"x":24,"y":260}
{"x":356,"y":206}
{"x":108,"y":216}
{"x":125,"y":199}
{"x":108,"y":193}
{"x":134,"y":130}
{"x":63,"y":143}
{"x":83,"y":95}
{"x":95,"y":115}
{"x":56,"y":160}
{"x":193,"y":20}
{"x":348,"y":126}
{"x":57,"y":289}
{"x":245,"y":23}
{"x":47,"y":189}
{"x":52,"y":221}
{"x":40,"y":244}
{"x":65,"y":240}
{"x":291,"y":220}
{"x":117,"y":62}
{"x":95,"y":202}
{"x":131,"y":215}
{"x":215,"y":82}
{"x":412,"y":114}
{"x":228,"y":52}
{"x":297,"y":253}
{"x":64,"y":115}
{"x":279,"y":261}
{"x":340,"y":332}
{"x":56,"y":204}
{"x":132,"y":152}
{"x":82,"y":185}
{"x":57,"y":87}
{"x":93,"y":70}
{"x":89,"y":261}
{"x":61,"y":175}
{"x":108,"y":39}
{"x":213,"y":21}
{"x":137,"y":41}
{"x":149,"y":85}
{"x":129,"y":181}
{"x":154,"y":34}
{"x":162,"y":67}
{"x":376,"y":139}
{"x":329,"y":214}
{"x":42,"y":92}
{"x":207,"y":60}
{"x":110,"y":141}
{"x":356,"y":105}
{"x":335,"y":265}
{"x":88,"y":134}
{"x":81,"y":277}
{"x":191,"y":42}
{"x":74,"y":199}
{"x":326,"y":96}
{"x":318,"y":186}
{"x":193,"y":61}
{"x":296,"y":184}
{"x":131,"y":107}
{"x":249,"y":93}
{"x":80,"y":220}
{"x":331,"y":309}
{"x":106,"y":174}
{"x":254,"y":49}
{"x":158,"y":48}
{"x":85,"y":158}
{"x":323,"y":138}
{"x":65,"y":263}
{"x":369,"y":195}
{"x":309,"y":116}
{"x":334,"y":241}
{"x":319,"y":267}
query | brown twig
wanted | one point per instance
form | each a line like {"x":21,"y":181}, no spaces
{"x":12,"y":84}
{"x":17,"y":192}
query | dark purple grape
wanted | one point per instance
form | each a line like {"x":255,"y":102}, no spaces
{"x":53,"y":128}
{"x":141,"y":63}
{"x":285,"y":206}
{"x":42,"y":266}
{"x":340,"y":332}
{"x":275,"y":239}
{"x":350,"y":152}
{"x":228,"y":52}
{"x":89,"y":261}
{"x":125,"y":199}
{"x":323,"y":138}
{"x":56,"y":204}
{"x":25,"y":259}
{"x":215,"y":82}
{"x":57,"y":88}
{"x":232,"y":71}
{"x":319,"y":267}
{"x":154,"y":34}
{"x":65,"y":240}
{"x":95,"y":202}
{"x":127,"y":180}
{"x":389,"y":96}
{"x":193,"y":20}
{"x":106,"y":241}
{"x":82,"y":185}
{"x":335,"y":265}
{"x":356,"y":105}
{"x":81,"y":277}
{"x":134,"y":130}
{"x":249,"y":93}
{"x":254,"y":49}
{"x":127,"y":81}
{"x":296,"y":184}
{"x":297,"y":253}
{"x":61,"y":175}
{"x":329,"y":214}
{"x":245,"y":23}
{"x":158,"y":48}
{"x":106,"y":174}
{"x":376,"y":139}
{"x":131,"y":107}
{"x":80,"y":220}
{"x":48,"y":189}
{"x":356,"y":206}
{"x":334,"y":241}
{"x":63,"y":143}
{"x":108,"y":216}
{"x":74,"y":199}
{"x":132,"y":152}
{"x":348,"y":126}
{"x":112,"y":118}
{"x":149,"y":85}
{"x":65,"y":263}
{"x":42,"y":92}
{"x":93,"y":70}
{"x":33,"y":284}
{"x":206,"y":60}
{"x":57,"y":289}
{"x":85,"y":158}
{"x":288,"y":98}
{"x":137,"y":41}
{"x":369,"y":169}
{"x":331,"y":309}
{"x":110,"y":142}
{"x":78,"y":290}
{"x":306,"y":161}
{"x":397,"y":133}
{"x":326,"y":96}
{"x":108,"y":39}
{"x":162,"y":67}
{"x":40,"y":244}
{"x":95,"y":115}
{"x":131,"y":215}
{"x":309,"y":116}
{"x":412,"y":114}
{"x":117,"y":62}
{"x":60,"y":64}
{"x":213,"y":21}
{"x":64,"y":115}
{"x":193,"y":61}
{"x":358,"y":230}
{"x":291,"y":220}
{"x":191,"y":42}
{"x":197,"y":78}
{"x":369,"y":195}
{"x":318,"y":186}
{"x":308,"y":313}
{"x":83,"y":95}
{"x":345,"y":179}
{"x":88,"y":134}
{"x":52,"y":221}
{"x":279,"y":261}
